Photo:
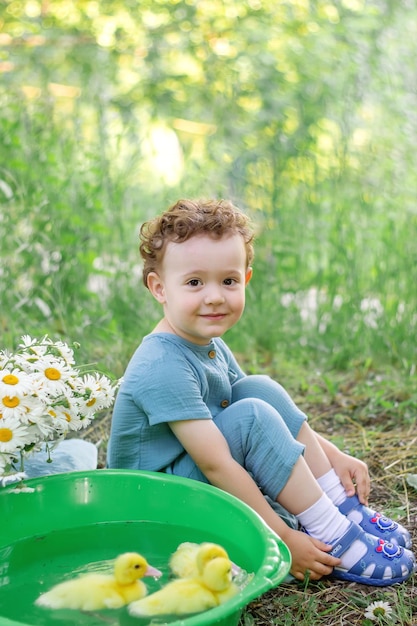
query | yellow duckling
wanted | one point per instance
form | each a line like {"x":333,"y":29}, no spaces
{"x":183,"y":562}
{"x":211,"y":586}
{"x":94,"y":591}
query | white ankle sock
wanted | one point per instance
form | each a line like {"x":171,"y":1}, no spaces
{"x":324,"y":521}
{"x":330,"y":483}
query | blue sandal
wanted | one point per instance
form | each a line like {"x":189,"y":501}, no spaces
{"x":375,"y":523}
{"x":380,"y":554}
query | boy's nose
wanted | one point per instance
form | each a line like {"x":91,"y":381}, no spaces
{"x":214,"y":295}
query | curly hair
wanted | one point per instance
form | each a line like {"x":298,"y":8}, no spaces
{"x":187,"y":218}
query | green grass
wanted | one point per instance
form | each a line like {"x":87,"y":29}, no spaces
{"x":331,"y":604}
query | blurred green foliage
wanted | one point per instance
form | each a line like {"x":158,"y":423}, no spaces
{"x":301,"y":112}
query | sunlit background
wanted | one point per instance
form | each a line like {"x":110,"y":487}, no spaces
{"x":302,"y":113}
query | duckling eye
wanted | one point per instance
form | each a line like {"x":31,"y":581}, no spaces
{"x":137,"y":566}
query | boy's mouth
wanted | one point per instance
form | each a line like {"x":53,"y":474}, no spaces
{"x":213,"y":316}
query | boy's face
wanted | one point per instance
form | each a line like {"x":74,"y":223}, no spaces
{"x":201,"y":285}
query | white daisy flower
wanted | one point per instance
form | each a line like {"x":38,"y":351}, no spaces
{"x":42,"y":425}
{"x":80,"y":414}
{"x":32,"y":348}
{"x":53,"y":374}
{"x":78,"y":421}
{"x":64,"y":351}
{"x":14,"y":382}
{"x":26,"y":341}
{"x":38,"y":390}
{"x":5,"y":358}
{"x":97,"y":391}
{"x":13,"y":435}
{"x":17,"y":407}
{"x":87,"y":408}
{"x":74,"y":419}
{"x":378,"y":609}
{"x":60,"y":418}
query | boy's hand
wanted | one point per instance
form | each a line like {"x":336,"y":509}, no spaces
{"x":353,"y":475}
{"x":352,"y":472}
{"x":309,"y":556}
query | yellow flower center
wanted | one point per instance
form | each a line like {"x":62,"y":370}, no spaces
{"x":11,"y":403}
{"x":6,"y":435}
{"x":10,"y":379}
{"x":67,"y":417}
{"x":91,"y":402}
{"x":52,"y":373}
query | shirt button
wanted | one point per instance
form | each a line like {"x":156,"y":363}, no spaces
{"x":224,"y":403}
{"x":212,"y":354}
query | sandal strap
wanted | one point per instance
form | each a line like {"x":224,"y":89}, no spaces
{"x":344,"y":542}
{"x":376,"y":523}
{"x":349,"y":504}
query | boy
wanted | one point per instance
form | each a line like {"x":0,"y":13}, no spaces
{"x":185,"y":407}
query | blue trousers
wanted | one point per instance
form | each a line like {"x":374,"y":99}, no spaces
{"x":260,"y":425}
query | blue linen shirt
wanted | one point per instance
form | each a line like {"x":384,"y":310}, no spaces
{"x":168,"y":379}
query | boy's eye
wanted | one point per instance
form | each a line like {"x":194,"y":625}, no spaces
{"x":229,"y":281}
{"x":194,"y":282}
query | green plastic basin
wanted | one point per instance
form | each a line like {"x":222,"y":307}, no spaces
{"x":70,"y":520}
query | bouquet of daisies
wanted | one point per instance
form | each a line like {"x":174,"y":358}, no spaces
{"x":43,"y":396}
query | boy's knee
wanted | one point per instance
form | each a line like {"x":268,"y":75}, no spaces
{"x":251,"y":387}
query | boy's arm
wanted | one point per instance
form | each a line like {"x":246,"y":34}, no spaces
{"x":210,"y":451}
{"x":352,"y":472}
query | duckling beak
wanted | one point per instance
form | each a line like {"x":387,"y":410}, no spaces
{"x":153,"y":571}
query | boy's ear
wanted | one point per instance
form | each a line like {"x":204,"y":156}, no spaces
{"x":248,"y":276}
{"x":156,"y":287}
